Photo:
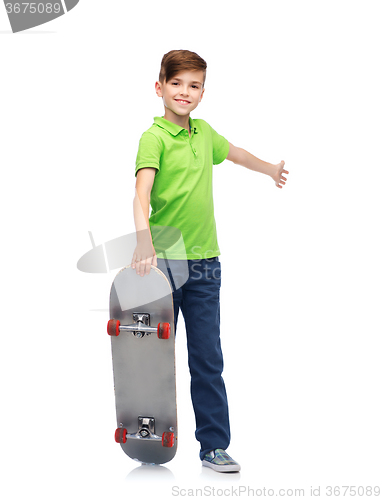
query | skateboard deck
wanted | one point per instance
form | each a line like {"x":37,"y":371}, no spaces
{"x":141,"y":328}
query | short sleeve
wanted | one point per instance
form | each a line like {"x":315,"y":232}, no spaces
{"x":149,"y":152}
{"x":220,"y":147}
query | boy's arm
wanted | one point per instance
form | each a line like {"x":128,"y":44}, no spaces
{"x":144,"y":253}
{"x":242,"y":157}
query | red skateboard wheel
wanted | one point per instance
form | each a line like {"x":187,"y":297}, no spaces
{"x":168,"y":439}
{"x":113,"y":327}
{"x":164,"y":330}
{"x":120,"y":435}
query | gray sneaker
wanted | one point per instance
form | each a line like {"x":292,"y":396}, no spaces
{"x":220,"y":461}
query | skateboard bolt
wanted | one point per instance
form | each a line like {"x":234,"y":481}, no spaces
{"x":144,"y":433}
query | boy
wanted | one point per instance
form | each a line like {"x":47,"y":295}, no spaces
{"x":174,"y":174}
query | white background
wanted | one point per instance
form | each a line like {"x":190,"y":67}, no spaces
{"x":301,"y":272}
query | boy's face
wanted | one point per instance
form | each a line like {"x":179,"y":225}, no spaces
{"x":182,"y":93}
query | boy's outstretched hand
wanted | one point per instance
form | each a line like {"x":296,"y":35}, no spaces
{"x":240,"y":156}
{"x":278,"y":177}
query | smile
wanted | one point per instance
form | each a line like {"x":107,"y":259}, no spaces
{"x":180,"y":101}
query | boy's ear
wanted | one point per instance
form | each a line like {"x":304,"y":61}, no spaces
{"x":158,"y":89}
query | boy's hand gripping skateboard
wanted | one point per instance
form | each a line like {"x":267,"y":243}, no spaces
{"x":143,"y":352}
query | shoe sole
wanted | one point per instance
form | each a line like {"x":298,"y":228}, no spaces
{"x":221,"y":468}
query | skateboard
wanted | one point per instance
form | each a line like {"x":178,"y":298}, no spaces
{"x":141,"y":328}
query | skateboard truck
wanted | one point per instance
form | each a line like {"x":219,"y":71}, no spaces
{"x":140,"y":327}
{"x":146,"y":427}
{"x":142,"y":320}
{"x":146,"y":430}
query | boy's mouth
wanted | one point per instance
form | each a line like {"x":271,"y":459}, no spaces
{"x":182,"y":101}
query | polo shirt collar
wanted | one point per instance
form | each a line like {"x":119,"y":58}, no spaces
{"x":173,"y":128}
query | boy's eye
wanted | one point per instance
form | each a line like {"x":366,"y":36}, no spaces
{"x":193,"y":86}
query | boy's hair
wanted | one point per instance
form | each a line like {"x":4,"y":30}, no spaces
{"x":176,"y":61}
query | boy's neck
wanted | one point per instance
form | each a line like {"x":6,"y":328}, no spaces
{"x":182,"y":121}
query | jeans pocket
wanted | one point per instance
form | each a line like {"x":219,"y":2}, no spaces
{"x":216,"y":271}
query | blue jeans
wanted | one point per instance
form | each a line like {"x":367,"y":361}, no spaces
{"x":199,"y":300}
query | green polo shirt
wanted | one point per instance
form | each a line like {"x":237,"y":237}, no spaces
{"x":181,"y":196}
